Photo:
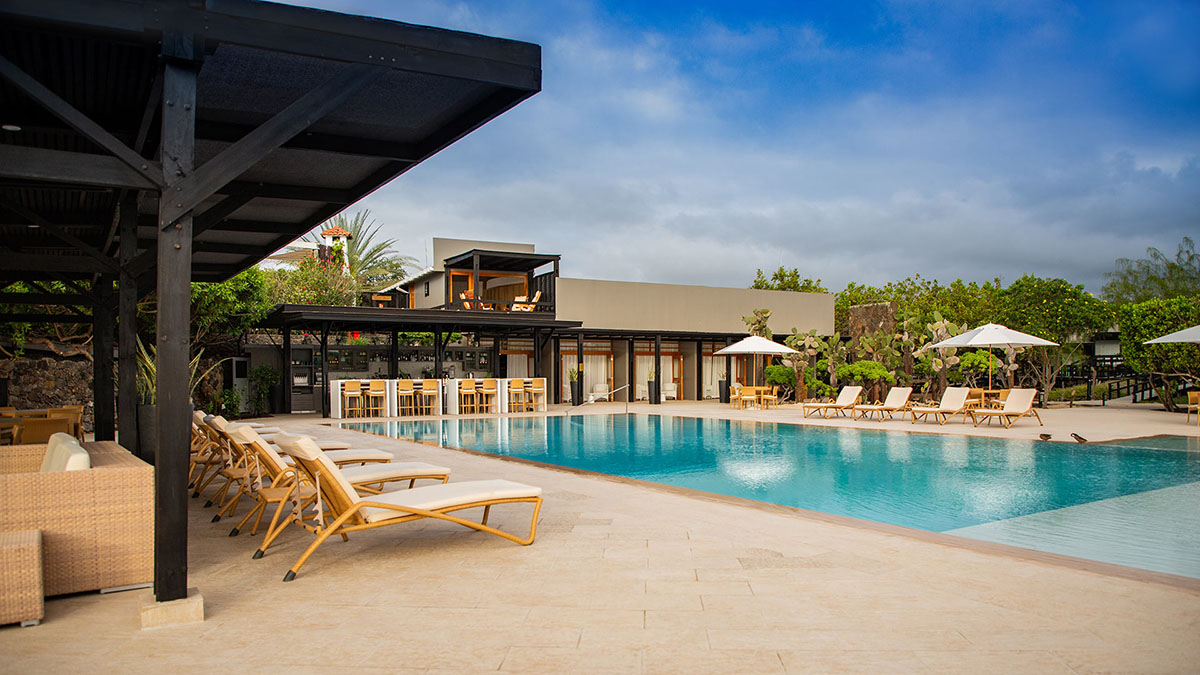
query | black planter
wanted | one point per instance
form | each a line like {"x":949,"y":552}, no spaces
{"x":577,"y":392}
{"x":276,"y":399}
{"x":652,"y":391}
{"x":723,"y":390}
{"x":147,"y":427}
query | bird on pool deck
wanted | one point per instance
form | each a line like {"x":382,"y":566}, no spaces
{"x":1044,"y":437}
{"x":1078,"y":438}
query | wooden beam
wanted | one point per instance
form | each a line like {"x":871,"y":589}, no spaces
{"x":174,"y":338}
{"x":198,"y":185}
{"x":78,"y":168}
{"x":22,"y":317}
{"x":226,"y":132}
{"x":19,"y":261}
{"x":148,"y":169}
{"x":44,"y":299}
{"x":60,"y":233}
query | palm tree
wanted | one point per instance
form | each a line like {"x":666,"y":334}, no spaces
{"x":372,"y":265}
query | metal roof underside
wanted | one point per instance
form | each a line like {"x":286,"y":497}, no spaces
{"x":103,"y":57}
{"x":500,"y":261}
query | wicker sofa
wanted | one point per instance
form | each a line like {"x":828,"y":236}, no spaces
{"x":97,"y":524}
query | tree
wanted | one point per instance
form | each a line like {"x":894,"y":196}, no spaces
{"x":311,"y":282}
{"x":1166,"y":363}
{"x":223,"y":312}
{"x":1155,"y":276}
{"x":1056,"y":310}
{"x":372,"y":264}
{"x":809,"y":346}
{"x":787,"y":280}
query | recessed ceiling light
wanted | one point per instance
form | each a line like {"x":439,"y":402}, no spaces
{"x":34,"y":227}
{"x":10,"y":127}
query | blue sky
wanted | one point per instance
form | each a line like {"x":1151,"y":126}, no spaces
{"x":696,"y":142}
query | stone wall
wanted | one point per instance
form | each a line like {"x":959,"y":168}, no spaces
{"x":48,"y":383}
{"x":866,"y":319}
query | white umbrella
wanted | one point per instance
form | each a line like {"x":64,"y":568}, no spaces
{"x":994,"y":335}
{"x":1186,"y":335}
{"x":756,"y":345}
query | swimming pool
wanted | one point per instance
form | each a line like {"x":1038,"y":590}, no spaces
{"x":941,"y":483}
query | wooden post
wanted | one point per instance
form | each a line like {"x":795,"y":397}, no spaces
{"x":437,"y":354}
{"x":127,"y":297}
{"x":537,"y":352}
{"x":658,"y":376}
{"x":556,"y":357}
{"x":579,"y":355}
{"x":476,"y":291}
{"x":174,"y":330}
{"x":393,"y":355}
{"x":631,"y":359}
{"x":699,"y":370}
{"x":286,"y":377}
{"x":324,"y":389}
{"x":103,"y":403}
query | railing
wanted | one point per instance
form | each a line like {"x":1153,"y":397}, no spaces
{"x":501,"y":306}
{"x":546,"y":284}
{"x":607,"y":395}
{"x":1139,"y":387}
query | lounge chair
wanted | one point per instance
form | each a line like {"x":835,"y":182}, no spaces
{"x":339,"y":451}
{"x":600,"y":392}
{"x":954,"y":401}
{"x":517,"y":307}
{"x":1018,"y":404}
{"x":1193,"y":406}
{"x":275,"y":482}
{"x":670,"y":391}
{"x":350,"y":513}
{"x":895,"y":402}
{"x":846,"y":399}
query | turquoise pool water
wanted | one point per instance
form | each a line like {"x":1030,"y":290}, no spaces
{"x":926,"y":481}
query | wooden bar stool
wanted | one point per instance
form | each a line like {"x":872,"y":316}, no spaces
{"x":536,"y":388}
{"x":468,"y":392}
{"x":516,"y":395}
{"x":352,"y":398}
{"x":405,"y":391}
{"x":430,"y":390}
{"x":487,"y":391}
{"x":376,"y":398}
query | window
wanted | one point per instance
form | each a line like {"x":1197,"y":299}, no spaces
{"x":427,"y":289}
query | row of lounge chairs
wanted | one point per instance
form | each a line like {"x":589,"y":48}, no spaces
{"x":328,"y":488}
{"x":954,"y":401}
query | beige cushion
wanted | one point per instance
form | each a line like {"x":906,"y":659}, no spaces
{"x":324,"y":445}
{"x":64,"y":453}
{"x":435,"y":497}
{"x":358,"y":455}
{"x":374,"y":473}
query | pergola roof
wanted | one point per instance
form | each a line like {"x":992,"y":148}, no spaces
{"x":415,"y":91}
{"x":500,"y":261}
{"x":385,"y":318}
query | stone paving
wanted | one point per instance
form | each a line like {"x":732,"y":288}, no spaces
{"x":627,"y":578}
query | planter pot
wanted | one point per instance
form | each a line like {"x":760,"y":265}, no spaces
{"x":723,"y":390}
{"x":577,"y":392}
{"x":652,"y":391}
{"x":147,"y":428}
{"x":276,"y":399}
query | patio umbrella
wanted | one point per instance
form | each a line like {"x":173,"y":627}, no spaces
{"x":756,"y":345}
{"x":1186,"y":335}
{"x":994,"y":335}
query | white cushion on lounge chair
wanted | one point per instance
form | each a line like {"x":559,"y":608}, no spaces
{"x":370,"y":473}
{"x":433,"y":497}
{"x":953,"y":400}
{"x":324,"y":445}
{"x":354,"y":455}
{"x":262,"y":431}
{"x":64,"y":453}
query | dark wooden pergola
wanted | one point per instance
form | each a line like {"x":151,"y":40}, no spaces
{"x":146,"y":144}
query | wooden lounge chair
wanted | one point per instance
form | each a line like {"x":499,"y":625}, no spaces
{"x":1018,"y":404}
{"x":1193,"y":406}
{"x":275,"y":482}
{"x":954,"y":401}
{"x":517,"y":307}
{"x":350,"y":513}
{"x":896,"y":401}
{"x":846,"y":399}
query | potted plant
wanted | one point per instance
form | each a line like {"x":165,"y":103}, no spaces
{"x":147,"y":387}
{"x":576,"y":386}
{"x":652,"y":388}
{"x":266,"y":394}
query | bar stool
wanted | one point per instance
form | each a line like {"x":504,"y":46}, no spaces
{"x":516,"y":395}
{"x":430,"y":389}
{"x":487,"y":390}
{"x":536,"y":388}
{"x":404,"y":390}
{"x":466,"y":390}
{"x":352,"y":398}
{"x":376,"y":398}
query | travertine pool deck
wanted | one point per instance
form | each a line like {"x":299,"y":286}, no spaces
{"x":628,"y":578}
